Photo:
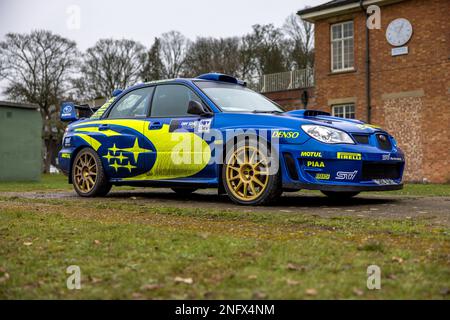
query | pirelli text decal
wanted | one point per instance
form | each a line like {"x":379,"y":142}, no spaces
{"x":349,"y":156}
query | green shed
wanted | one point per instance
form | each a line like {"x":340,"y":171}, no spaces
{"x":20,"y":142}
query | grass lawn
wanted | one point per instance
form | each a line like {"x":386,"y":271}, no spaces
{"x":134,"y":249}
{"x":411,"y":189}
{"x":429,"y":190}
{"x":49,"y":182}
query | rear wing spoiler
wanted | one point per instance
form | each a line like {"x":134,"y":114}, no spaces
{"x":72,"y":112}
{"x":86,"y":107}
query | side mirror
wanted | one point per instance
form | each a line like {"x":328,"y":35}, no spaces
{"x":68,"y":113}
{"x":196,"y":108}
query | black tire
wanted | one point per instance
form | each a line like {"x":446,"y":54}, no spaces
{"x":101,"y":185}
{"x":184,"y":191}
{"x":335,"y":195}
{"x":272,"y":190}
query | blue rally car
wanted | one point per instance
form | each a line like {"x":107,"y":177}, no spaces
{"x":213,"y":132}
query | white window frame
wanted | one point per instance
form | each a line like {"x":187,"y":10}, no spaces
{"x":347,"y":109}
{"x":342,"y":41}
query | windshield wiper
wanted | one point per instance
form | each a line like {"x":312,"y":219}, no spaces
{"x":263,"y":111}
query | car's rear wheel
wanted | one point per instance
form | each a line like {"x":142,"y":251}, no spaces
{"x":246,"y":175}
{"x":184,"y":191}
{"x":339,"y":195}
{"x":88,"y":176}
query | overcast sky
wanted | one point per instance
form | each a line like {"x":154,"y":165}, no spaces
{"x":86,"y":21}
{"x":143,"y":20}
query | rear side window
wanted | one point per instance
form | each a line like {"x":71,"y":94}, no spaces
{"x":172,"y":101}
{"x":134,"y":104}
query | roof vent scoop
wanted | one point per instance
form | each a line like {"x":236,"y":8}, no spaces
{"x":221,"y":77}
{"x":117,"y":92}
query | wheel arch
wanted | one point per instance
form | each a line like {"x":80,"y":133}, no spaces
{"x":233,"y":141}
{"x":271,"y":183}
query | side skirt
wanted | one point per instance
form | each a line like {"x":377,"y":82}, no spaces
{"x":194,"y":183}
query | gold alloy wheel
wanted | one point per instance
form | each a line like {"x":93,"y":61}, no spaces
{"x":247,"y":173}
{"x":85,"y":172}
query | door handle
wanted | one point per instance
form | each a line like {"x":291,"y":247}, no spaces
{"x":103,"y":127}
{"x":155,"y":125}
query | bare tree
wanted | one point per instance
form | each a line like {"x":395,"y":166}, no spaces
{"x":212,"y":55}
{"x":37,"y":67}
{"x":174,"y":47}
{"x":153,"y":68}
{"x":1,"y":68}
{"x":247,"y":66}
{"x":264,"y":46}
{"x":300,"y":35}
{"x":109,"y":65}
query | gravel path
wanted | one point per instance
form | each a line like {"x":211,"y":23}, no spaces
{"x":434,"y":209}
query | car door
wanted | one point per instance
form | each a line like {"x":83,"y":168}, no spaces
{"x":125,"y":152}
{"x":181,"y":151}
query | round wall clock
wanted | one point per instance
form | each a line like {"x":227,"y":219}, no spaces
{"x":399,"y":32}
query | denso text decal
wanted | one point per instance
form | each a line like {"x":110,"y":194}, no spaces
{"x":285,"y":134}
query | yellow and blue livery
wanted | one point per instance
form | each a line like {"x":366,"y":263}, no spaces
{"x":176,"y":133}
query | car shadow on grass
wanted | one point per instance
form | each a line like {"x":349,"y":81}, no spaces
{"x":287,"y":200}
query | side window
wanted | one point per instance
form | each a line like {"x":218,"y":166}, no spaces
{"x":134,"y":104}
{"x":172,"y":101}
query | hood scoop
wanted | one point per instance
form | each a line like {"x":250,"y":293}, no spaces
{"x":307,"y":113}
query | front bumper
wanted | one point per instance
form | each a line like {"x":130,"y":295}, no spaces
{"x":317,"y":166}
{"x":343,"y":188}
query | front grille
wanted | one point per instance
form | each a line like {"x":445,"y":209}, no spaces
{"x":377,"y":170}
{"x":384,"y":142}
{"x":361,"y":138}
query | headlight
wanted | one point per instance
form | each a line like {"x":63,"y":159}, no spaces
{"x":327,"y":134}
{"x":394,"y":142}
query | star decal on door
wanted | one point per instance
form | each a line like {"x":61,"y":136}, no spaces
{"x":136,"y":150}
{"x":128,"y":166}
{"x":116,"y":156}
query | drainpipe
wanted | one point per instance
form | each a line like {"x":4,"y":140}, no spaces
{"x":367,"y":80}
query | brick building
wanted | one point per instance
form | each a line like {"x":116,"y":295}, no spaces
{"x":405,"y":86}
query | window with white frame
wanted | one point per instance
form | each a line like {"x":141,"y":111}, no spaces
{"x":342,"y":46}
{"x":344,"y":110}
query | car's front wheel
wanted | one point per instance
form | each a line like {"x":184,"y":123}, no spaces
{"x":247,"y":177}
{"x":88,"y":176}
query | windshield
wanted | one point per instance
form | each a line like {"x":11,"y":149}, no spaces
{"x":236,"y":98}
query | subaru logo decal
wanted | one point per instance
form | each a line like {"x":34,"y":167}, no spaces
{"x":67,"y":109}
